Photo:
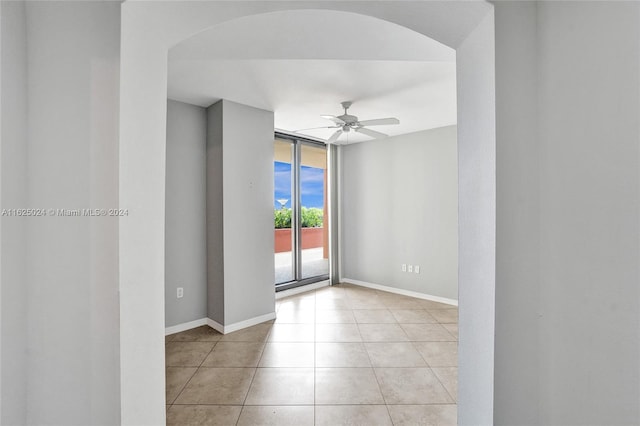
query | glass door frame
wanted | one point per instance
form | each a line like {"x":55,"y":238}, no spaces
{"x":296,"y":210}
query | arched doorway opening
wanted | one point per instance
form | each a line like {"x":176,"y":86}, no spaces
{"x":149,"y":30}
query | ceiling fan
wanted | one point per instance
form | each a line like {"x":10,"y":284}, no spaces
{"x":345,"y":123}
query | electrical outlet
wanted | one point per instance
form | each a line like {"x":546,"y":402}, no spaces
{"x":404,"y":267}
{"x":180,"y":292}
{"x":410,"y":268}
{"x":416,"y":269}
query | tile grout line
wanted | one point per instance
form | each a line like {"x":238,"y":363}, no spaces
{"x":215,"y":343}
{"x":255,"y":371}
{"x":455,"y":400}
{"x":373,"y":369}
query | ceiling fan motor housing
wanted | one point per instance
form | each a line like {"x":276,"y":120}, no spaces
{"x":346,"y":122}
{"x":351,"y":120}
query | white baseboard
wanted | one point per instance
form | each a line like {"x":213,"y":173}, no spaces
{"x":217,"y":326}
{"x":400,"y":291}
{"x":225,"y":329}
{"x":185,"y":326}
{"x":302,"y":289}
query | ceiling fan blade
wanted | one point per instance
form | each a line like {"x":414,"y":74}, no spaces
{"x":334,"y":137}
{"x":334,"y":119}
{"x":380,"y":122}
{"x":369,"y":132}
{"x":315,"y":128}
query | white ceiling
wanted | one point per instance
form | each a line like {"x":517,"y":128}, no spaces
{"x":301,"y":64}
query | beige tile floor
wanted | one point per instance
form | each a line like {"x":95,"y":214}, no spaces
{"x":341,"y":355}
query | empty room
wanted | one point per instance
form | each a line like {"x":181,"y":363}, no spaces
{"x":311,"y":258}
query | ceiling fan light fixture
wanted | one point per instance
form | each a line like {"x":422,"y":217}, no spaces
{"x":347,"y":122}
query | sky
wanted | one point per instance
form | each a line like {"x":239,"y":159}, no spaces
{"x":311,"y":182}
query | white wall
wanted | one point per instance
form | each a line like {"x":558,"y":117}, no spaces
{"x":13,"y":181}
{"x":567,"y":295}
{"x":185,"y":229}
{"x":476,"y":223}
{"x":589,"y":133}
{"x":219,"y":219}
{"x":247,"y":210}
{"x":72,"y":262}
{"x":219,"y":238}
{"x":400,"y":205}
{"x":517,"y":215}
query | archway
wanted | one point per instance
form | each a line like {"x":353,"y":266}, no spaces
{"x":149,"y":29}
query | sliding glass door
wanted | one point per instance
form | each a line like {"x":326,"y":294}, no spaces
{"x":300,"y":212}
{"x":283,"y":197}
{"x":314,"y":237}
